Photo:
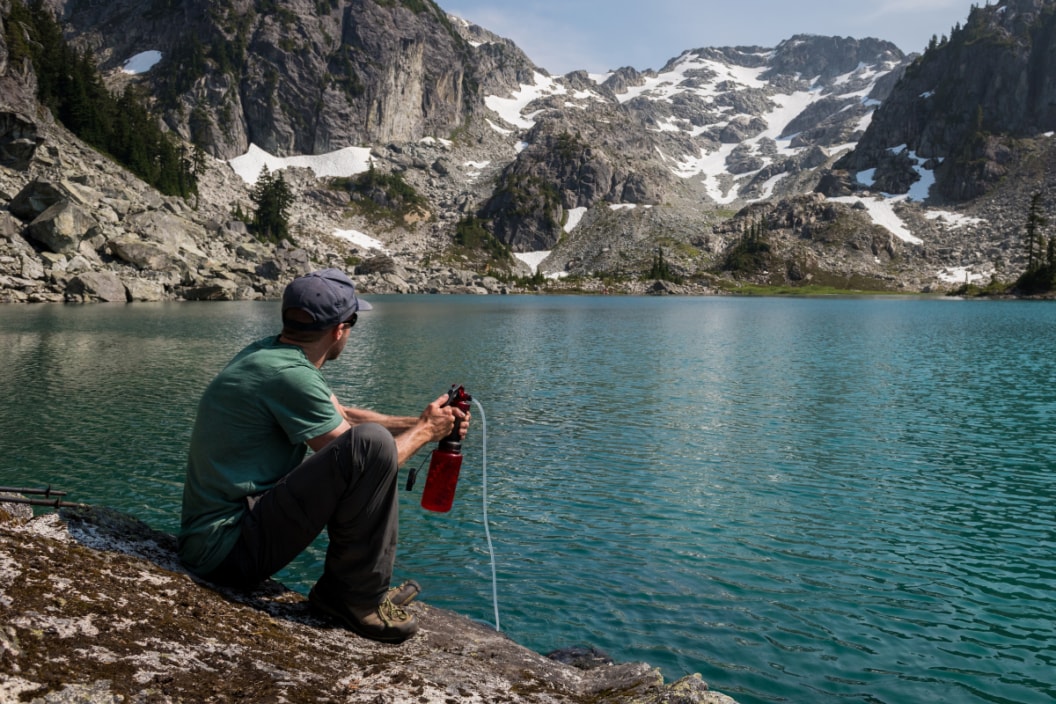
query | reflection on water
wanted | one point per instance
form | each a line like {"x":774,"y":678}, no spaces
{"x":851,"y":499}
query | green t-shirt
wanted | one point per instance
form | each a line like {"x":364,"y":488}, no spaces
{"x":250,"y":431}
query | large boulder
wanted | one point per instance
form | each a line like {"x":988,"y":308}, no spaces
{"x":147,"y":256}
{"x":34,"y":198}
{"x":103,"y":286}
{"x":142,"y":289}
{"x":217,"y":289}
{"x":62,"y":227}
{"x":173,"y":234}
{"x":379,"y":265}
{"x":38,"y":195}
{"x":9,"y":226}
{"x":19,"y":140}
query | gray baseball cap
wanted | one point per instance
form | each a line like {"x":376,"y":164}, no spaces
{"x":327,"y":295}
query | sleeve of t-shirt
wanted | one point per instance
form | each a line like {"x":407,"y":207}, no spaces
{"x":299,"y":399}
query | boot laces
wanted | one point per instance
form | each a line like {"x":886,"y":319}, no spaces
{"x":390,"y":613}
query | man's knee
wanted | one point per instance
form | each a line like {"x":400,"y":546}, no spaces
{"x":373,"y":445}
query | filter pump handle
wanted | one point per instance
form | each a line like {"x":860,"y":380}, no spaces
{"x":457,"y":396}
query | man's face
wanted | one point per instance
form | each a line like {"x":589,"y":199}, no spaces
{"x":345,"y":332}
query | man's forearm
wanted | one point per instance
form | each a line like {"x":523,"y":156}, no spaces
{"x":394,"y":424}
{"x":436,"y":421}
{"x":410,"y":441}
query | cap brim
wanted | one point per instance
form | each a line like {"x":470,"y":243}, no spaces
{"x":363,"y":305}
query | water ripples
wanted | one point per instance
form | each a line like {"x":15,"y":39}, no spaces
{"x":826,"y":500}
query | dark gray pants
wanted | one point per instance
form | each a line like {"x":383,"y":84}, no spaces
{"x":349,"y":488}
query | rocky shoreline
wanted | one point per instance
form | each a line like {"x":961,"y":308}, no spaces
{"x":95,"y":608}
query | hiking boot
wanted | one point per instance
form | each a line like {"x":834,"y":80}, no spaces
{"x":404,"y":594}
{"x":385,"y":622}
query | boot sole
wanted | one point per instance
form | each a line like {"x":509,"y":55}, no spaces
{"x":323,"y":609}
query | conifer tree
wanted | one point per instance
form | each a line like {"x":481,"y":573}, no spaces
{"x":1035,"y":221}
{"x":661,"y":270}
{"x":70,"y":86}
{"x":1040,"y":276}
{"x":272,"y":196}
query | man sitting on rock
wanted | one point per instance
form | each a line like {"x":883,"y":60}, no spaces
{"x":252,"y":502}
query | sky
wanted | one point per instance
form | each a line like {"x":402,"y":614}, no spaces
{"x":602,"y":35}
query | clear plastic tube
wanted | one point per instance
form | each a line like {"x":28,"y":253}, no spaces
{"x":487,"y":531}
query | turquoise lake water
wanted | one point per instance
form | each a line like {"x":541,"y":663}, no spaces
{"x":803,"y":500}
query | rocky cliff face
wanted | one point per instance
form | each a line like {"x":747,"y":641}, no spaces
{"x":305,"y":77}
{"x":94,"y":608}
{"x":973,"y":103}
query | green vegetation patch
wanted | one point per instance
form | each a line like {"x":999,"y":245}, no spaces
{"x":415,"y":6}
{"x":751,"y":254}
{"x":342,"y":75}
{"x":474,"y":241}
{"x":383,"y":196}
{"x":523,"y":194}
{"x":807,"y":290}
{"x":994,"y":288}
{"x":661,"y":270}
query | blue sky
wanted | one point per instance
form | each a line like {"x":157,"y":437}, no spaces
{"x":599,"y":35}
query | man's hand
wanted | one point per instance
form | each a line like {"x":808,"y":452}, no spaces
{"x":441,"y":419}
{"x":435,"y":423}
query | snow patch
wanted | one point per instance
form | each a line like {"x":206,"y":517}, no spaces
{"x":361,"y":240}
{"x":445,"y":143}
{"x":882,"y":212}
{"x":501,"y":130}
{"x":344,"y":162}
{"x":953,"y":220}
{"x":475,"y":169}
{"x":574,"y":216}
{"x":142,"y":62}
{"x":532,"y":259}
{"x":868,"y":177}
{"x":511,"y":109}
{"x":965,"y":275}
{"x":881,"y":207}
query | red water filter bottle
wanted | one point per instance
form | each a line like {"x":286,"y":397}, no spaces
{"x":446,"y":461}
